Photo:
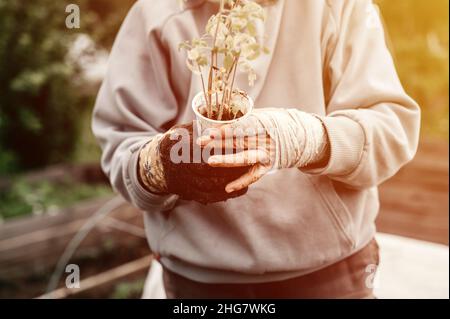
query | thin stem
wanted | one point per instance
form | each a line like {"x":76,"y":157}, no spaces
{"x":219,"y":116}
{"x":224,"y":97}
{"x":235,"y":65}
{"x":217,"y":96}
{"x":228,"y":89}
{"x":214,"y":57}
{"x":203,"y":86}
{"x":210,"y":85}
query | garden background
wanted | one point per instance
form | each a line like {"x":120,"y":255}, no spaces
{"x":49,"y":77}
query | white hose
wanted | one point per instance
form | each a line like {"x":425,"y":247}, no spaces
{"x":92,"y":221}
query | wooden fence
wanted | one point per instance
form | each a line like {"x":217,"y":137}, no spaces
{"x":415,"y":202}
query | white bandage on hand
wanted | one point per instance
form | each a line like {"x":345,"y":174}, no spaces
{"x":274,"y":138}
{"x":299,"y":138}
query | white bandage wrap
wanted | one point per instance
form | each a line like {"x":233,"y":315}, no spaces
{"x":300,"y":138}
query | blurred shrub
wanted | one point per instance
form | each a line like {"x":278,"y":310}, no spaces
{"x":41,"y":197}
{"x":418,"y":36}
{"x":39,"y":103}
{"x":129,"y":290}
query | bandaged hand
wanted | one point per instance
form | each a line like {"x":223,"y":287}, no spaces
{"x":268,"y":139}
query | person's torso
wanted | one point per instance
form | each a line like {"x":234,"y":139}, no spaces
{"x":288,"y":222}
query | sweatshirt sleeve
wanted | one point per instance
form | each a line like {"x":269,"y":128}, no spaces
{"x":134,"y":103}
{"x":372,"y":124}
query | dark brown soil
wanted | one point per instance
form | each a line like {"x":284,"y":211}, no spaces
{"x":197,"y":181}
{"x":226,"y":116}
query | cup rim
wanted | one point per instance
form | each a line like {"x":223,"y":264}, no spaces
{"x":199,"y":115}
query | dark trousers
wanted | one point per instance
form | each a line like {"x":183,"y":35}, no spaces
{"x":349,"y":278}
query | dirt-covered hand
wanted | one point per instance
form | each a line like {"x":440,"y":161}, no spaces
{"x":165,"y":170}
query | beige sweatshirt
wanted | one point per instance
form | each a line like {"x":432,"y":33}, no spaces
{"x":327,"y":58}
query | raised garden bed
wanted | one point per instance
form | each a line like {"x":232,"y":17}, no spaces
{"x":31,"y":247}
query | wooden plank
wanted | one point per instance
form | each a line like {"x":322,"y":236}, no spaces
{"x":428,"y":180}
{"x":104,"y":281}
{"x":84,"y":173}
{"x":53,"y":232}
{"x":415,"y":202}
{"x":24,"y":225}
{"x":22,"y":266}
{"x":36,"y":248}
{"x":397,"y":224}
{"x":46,"y":252}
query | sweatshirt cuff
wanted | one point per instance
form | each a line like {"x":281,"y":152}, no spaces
{"x":140,"y":196}
{"x":346,"y":140}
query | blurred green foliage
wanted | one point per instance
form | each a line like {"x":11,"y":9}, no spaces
{"x":129,"y":289}
{"x":418,"y":35}
{"x":41,"y":197}
{"x":41,"y":101}
{"x":44,"y":108}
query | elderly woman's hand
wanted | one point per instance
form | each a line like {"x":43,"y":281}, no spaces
{"x":268,"y":139}
{"x":163,"y":171}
